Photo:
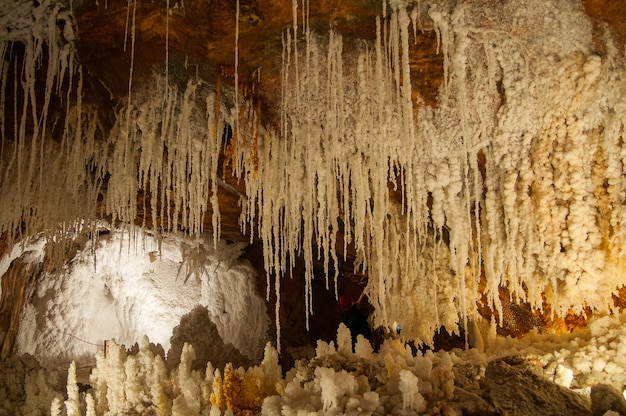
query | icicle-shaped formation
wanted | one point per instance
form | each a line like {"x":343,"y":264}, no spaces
{"x":166,"y":141}
{"x":523,"y":88}
{"x":542,"y":231}
{"x":532,"y":105}
{"x":173,"y":139}
{"x":339,"y":146}
{"x":45,"y":29}
{"x":342,"y":140}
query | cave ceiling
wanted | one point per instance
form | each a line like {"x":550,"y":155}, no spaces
{"x":220,"y":40}
{"x":199,"y":36}
{"x":199,"y":40}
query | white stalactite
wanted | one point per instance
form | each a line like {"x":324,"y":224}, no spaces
{"x":522,"y":87}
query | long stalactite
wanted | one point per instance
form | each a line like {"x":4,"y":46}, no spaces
{"x":523,"y":85}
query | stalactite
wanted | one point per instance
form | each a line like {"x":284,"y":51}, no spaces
{"x":545,"y":218}
{"x":492,"y":233}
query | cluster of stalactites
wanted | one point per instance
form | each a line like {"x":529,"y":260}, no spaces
{"x":348,"y":130}
{"x":166,"y":142}
{"x":40,"y":191}
{"x":523,"y":88}
{"x":169,"y":144}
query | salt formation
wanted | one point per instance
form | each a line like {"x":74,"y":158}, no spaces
{"x":140,"y":384}
{"x":584,"y":359}
{"x":27,"y":386}
{"x":395,"y":380}
{"x":46,"y":30}
{"x":124,"y":289}
{"x":182,"y":121}
{"x":523,"y":87}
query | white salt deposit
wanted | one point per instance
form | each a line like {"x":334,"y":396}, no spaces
{"x":127,"y":287}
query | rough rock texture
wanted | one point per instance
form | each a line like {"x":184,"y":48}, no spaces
{"x":516,"y":390}
{"x":470,"y":395}
{"x":471,"y":404}
{"x":605,"y":398}
{"x":13,"y":292}
{"x":197,"y":329}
